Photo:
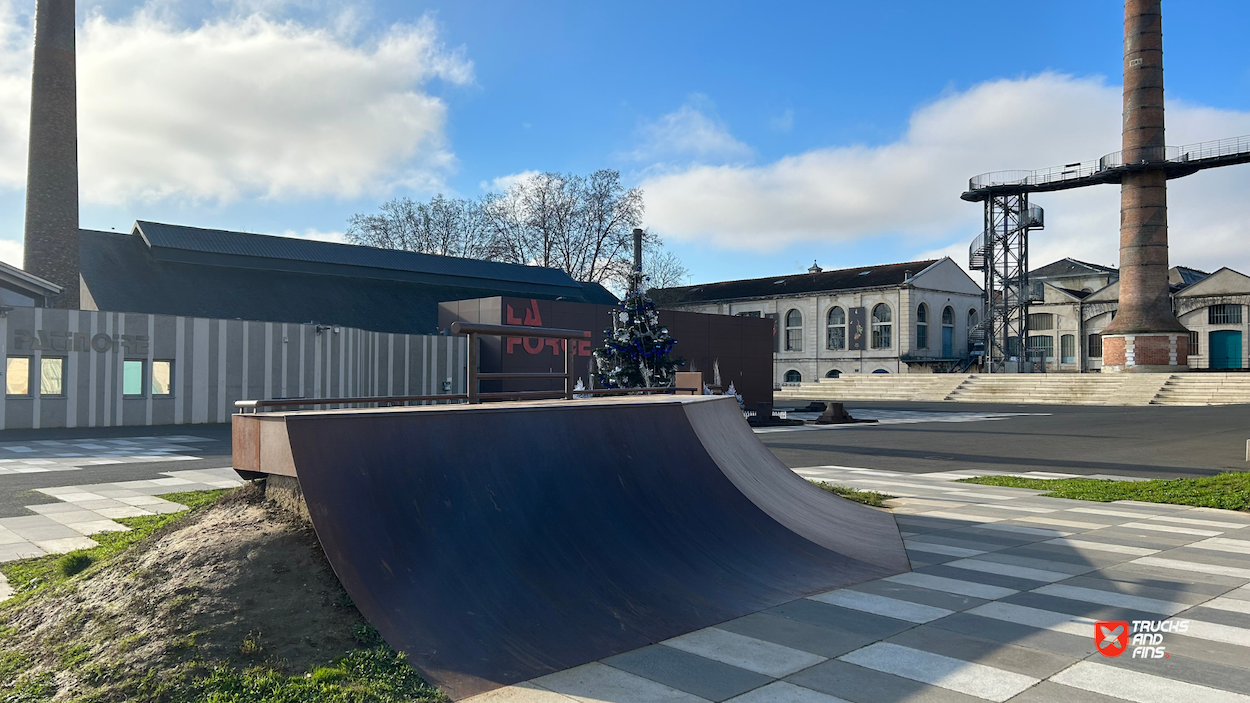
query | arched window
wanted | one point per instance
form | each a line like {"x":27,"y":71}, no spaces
{"x":794,"y":331}
{"x":922,"y":326}
{"x":835,"y":328}
{"x":793,"y":376}
{"x":881,"y":327}
{"x":833,"y":373}
{"x":948,"y":316}
{"x":972,"y":319}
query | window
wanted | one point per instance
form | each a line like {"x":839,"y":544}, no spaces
{"x":833,"y":373}
{"x":922,"y":327}
{"x":1193,"y":344}
{"x":881,"y":327}
{"x":17,"y":375}
{"x":1042,"y":346}
{"x":132,"y":377}
{"x":1067,"y":349}
{"x":794,"y":331}
{"x":948,"y":316}
{"x":51,"y":375}
{"x":1224,"y":315}
{"x":1095,"y":346}
{"x":1041,"y":321}
{"x":972,"y":319}
{"x":162,"y":377}
{"x":835,"y":329}
{"x":793,"y":376}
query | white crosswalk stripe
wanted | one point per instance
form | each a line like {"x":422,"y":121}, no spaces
{"x":1183,"y":565}
{"x":978,"y":680}
{"x":963,"y":588}
{"x":1174,"y":530}
{"x":1221,"y":544}
{"x":1118,"y":600}
{"x":1023,"y":572}
{"x":1102,"y":546}
{"x":882,"y":605}
{"x":1138,"y":687}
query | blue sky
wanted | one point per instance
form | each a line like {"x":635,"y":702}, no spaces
{"x":766,"y":135}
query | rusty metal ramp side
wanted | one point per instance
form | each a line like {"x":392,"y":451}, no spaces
{"x":496,"y":544}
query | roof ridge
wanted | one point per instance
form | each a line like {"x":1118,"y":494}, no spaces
{"x":826,"y":273}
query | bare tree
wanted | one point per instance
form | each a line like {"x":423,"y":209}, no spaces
{"x":444,"y":226}
{"x":579,"y":224}
{"x":664,"y":269}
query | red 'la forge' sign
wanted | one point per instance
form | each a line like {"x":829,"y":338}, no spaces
{"x":533,"y":318}
{"x":1111,"y":637}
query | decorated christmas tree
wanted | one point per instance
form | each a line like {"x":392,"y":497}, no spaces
{"x":637,"y":351}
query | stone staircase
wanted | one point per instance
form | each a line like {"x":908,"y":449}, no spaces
{"x":1054,"y":388}
{"x":905,"y":387}
{"x":1204,"y":389}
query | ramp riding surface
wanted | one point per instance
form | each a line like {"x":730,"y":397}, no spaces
{"x":496,"y":543}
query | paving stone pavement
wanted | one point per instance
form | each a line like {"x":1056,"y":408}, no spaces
{"x":1001,"y":604}
{"x":38,"y":456}
{"x":85,"y":510}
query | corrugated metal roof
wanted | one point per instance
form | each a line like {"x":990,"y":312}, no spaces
{"x":223,"y":242}
{"x":841,"y":279}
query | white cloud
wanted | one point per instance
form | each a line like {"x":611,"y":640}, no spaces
{"x":503,"y":183}
{"x":690,"y":132}
{"x":317,"y":236}
{"x":243,"y":106}
{"x":911,"y":186}
{"x":11,"y":252}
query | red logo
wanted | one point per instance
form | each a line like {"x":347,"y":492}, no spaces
{"x":1111,"y":637}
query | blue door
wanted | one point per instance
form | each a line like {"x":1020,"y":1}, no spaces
{"x":948,"y":342}
{"x":1225,"y":349}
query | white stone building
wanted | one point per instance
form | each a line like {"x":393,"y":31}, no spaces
{"x":893,"y":318}
{"x":1078,"y":300}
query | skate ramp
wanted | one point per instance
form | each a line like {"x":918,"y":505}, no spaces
{"x":496,"y":543}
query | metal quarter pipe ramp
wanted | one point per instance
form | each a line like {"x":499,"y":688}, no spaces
{"x":496,"y":543}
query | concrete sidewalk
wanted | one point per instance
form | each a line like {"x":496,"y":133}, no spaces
{"x":1001,"y":605}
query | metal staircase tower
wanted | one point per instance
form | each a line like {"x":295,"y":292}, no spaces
{"x":1002,"y":252}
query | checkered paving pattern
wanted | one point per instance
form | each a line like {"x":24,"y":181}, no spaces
{"x":1000,"y":606}
{"x":72,"y":454}
{"x":64,"y":526}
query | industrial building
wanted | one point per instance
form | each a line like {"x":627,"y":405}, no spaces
{"x":1076,"y":301}
{"x":912,"y":317}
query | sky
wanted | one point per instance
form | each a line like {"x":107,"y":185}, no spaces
{"x":765,"y":136}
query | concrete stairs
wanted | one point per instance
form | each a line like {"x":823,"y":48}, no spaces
{"x":1057,"y":389}
{"x":1204,"y":389}
{"x":904,"y":387}
{"x":1054,"y":388}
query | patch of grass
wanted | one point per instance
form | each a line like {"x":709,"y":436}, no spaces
{"x":31,"y":575}
{"x":1229,"y":491}
{"x":73,"y":563}
{"x":362,"y":676}
{"x":32,"y":689}
{"x":251,"y":646}
{"x":367,"y":636}
{"x":866,"y":497}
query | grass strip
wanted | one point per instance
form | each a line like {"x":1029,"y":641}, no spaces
{"x":877,"y":500}
{"x":28,"y":576}
{"x":1228,"y":491}
{"x":377,"y":675}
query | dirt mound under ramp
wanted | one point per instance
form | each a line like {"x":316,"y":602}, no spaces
{"x":496,"y":543}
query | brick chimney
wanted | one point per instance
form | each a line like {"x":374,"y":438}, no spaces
{"x":51,"y":246}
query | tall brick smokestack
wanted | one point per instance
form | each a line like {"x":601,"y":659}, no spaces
{"x":1145,"y":334}
{"x":52,"y":171}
